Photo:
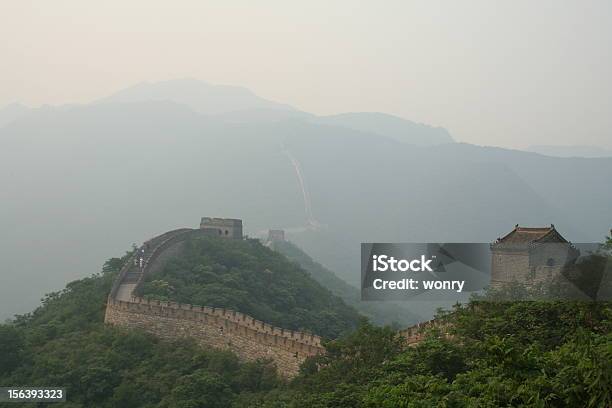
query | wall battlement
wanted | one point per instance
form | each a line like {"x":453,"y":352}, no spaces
{"x":203,"y":313}
{"x":223,"y":321}
{"x":250,"y":339}
{"x":219,"y":328}
{"x":415,"y":334}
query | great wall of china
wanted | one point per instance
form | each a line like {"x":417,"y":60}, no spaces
{"x":248,"y":338}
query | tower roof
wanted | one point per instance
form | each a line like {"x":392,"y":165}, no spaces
{"x":528,"y":235}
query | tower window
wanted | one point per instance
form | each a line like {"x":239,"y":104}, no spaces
{"x":550,"y":262}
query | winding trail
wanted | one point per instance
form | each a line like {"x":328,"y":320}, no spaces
{"x":312,"y":223}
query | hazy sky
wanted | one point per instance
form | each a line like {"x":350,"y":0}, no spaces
{"x":508,"y":73}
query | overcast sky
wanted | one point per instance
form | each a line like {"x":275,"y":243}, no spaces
{"x":507,"y":73}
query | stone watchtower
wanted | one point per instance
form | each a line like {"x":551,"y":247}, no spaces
{"x":530,"y":255}
{"x":222,"y":227}
{"x":276,"y":235}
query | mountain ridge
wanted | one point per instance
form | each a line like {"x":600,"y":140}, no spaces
{"x":79,"y":174}
{"x":198,"y":95}
{"x":571,"y":151}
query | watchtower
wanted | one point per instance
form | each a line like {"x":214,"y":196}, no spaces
{"x":530,"y":255}
{"x":223,"y":227}
{"x":276,"y":235}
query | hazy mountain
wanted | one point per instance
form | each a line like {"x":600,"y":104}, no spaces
{"x":263,"y":115}
{"x":240,"y":105}
{"x":12,"y":112}
{"x":198,"y":95}
{"x":80,"y":184}
{"x":390,"y":126}
{"x":571,"y":151}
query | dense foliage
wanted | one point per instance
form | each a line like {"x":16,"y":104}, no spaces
{"x":530,"y":354}
{"x":396,"y":314}
{"x":248,"y":277}
{"x":484,"y":354}
{"x":65,"y":343}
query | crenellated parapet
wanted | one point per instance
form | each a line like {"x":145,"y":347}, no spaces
{"x":222,"y":322}
{"x":250,"y":339}
{"x":247,"y":337}
{"x":417,"y":333}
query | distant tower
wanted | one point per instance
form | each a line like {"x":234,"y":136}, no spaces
{"x":222,"y":227}
{"x":530,"y":255}
{"x":276,"y":235}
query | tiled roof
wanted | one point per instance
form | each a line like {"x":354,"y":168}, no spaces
{"x":527,"y":235}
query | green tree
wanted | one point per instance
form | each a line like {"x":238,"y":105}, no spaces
{"x":11,"y":348}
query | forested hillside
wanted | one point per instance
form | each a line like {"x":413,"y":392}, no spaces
{"x":529,"y":354}
{"x":524,"y":354}
{"x":482,"y":354}
{"x":245,"y":276}
{"x":397,"y":314}
{"x":65,"y":343}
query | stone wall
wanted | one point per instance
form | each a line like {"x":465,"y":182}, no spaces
{"x":249,"y":338}
{"x":223,"y":227}
{"x":531,"y":265}
{"x":415,"y":334}
{"x":508,"y":266}
{"x":222,"y":329}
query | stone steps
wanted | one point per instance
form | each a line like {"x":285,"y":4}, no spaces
{"x":132,"y":277}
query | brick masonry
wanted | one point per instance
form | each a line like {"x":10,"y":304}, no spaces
{"x":415,"y":334}
{"x":248,"y":338}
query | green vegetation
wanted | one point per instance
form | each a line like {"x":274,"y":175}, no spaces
{"x":396,"y":314}
{"x":65,"y":343}
{"x":523,"y":354}
{"x":510,"y":354}
{"x":250,"y":278}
